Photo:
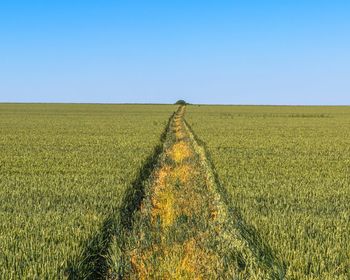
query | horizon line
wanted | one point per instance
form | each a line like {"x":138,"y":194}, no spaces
{"x":160,"y":103}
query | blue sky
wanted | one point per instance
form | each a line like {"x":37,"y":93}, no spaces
{"x":227,"y":52}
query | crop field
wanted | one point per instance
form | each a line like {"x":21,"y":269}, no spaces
{"x":287,"y":171}
{"x":63,"y":171}
{"x":174,"y":192}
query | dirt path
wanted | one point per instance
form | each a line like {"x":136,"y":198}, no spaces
{"x":183,"y":229}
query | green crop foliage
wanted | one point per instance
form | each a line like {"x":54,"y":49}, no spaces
{"x":63,"y":169}
{"x":72,"y":177}
{"x":287,"y":170}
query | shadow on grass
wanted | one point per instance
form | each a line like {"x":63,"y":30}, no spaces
{"x":93,"y":263}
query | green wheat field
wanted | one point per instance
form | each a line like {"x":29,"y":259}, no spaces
{"x":168,"y":192}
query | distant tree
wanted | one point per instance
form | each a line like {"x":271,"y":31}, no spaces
{"x":181,"y":102}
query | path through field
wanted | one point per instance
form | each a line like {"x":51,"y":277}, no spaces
{"x":183,"y":216}
{"x":183,"y":229}
{"x":175,"y":222}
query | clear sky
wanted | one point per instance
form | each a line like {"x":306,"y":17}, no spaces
{"x":230,"y":52}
